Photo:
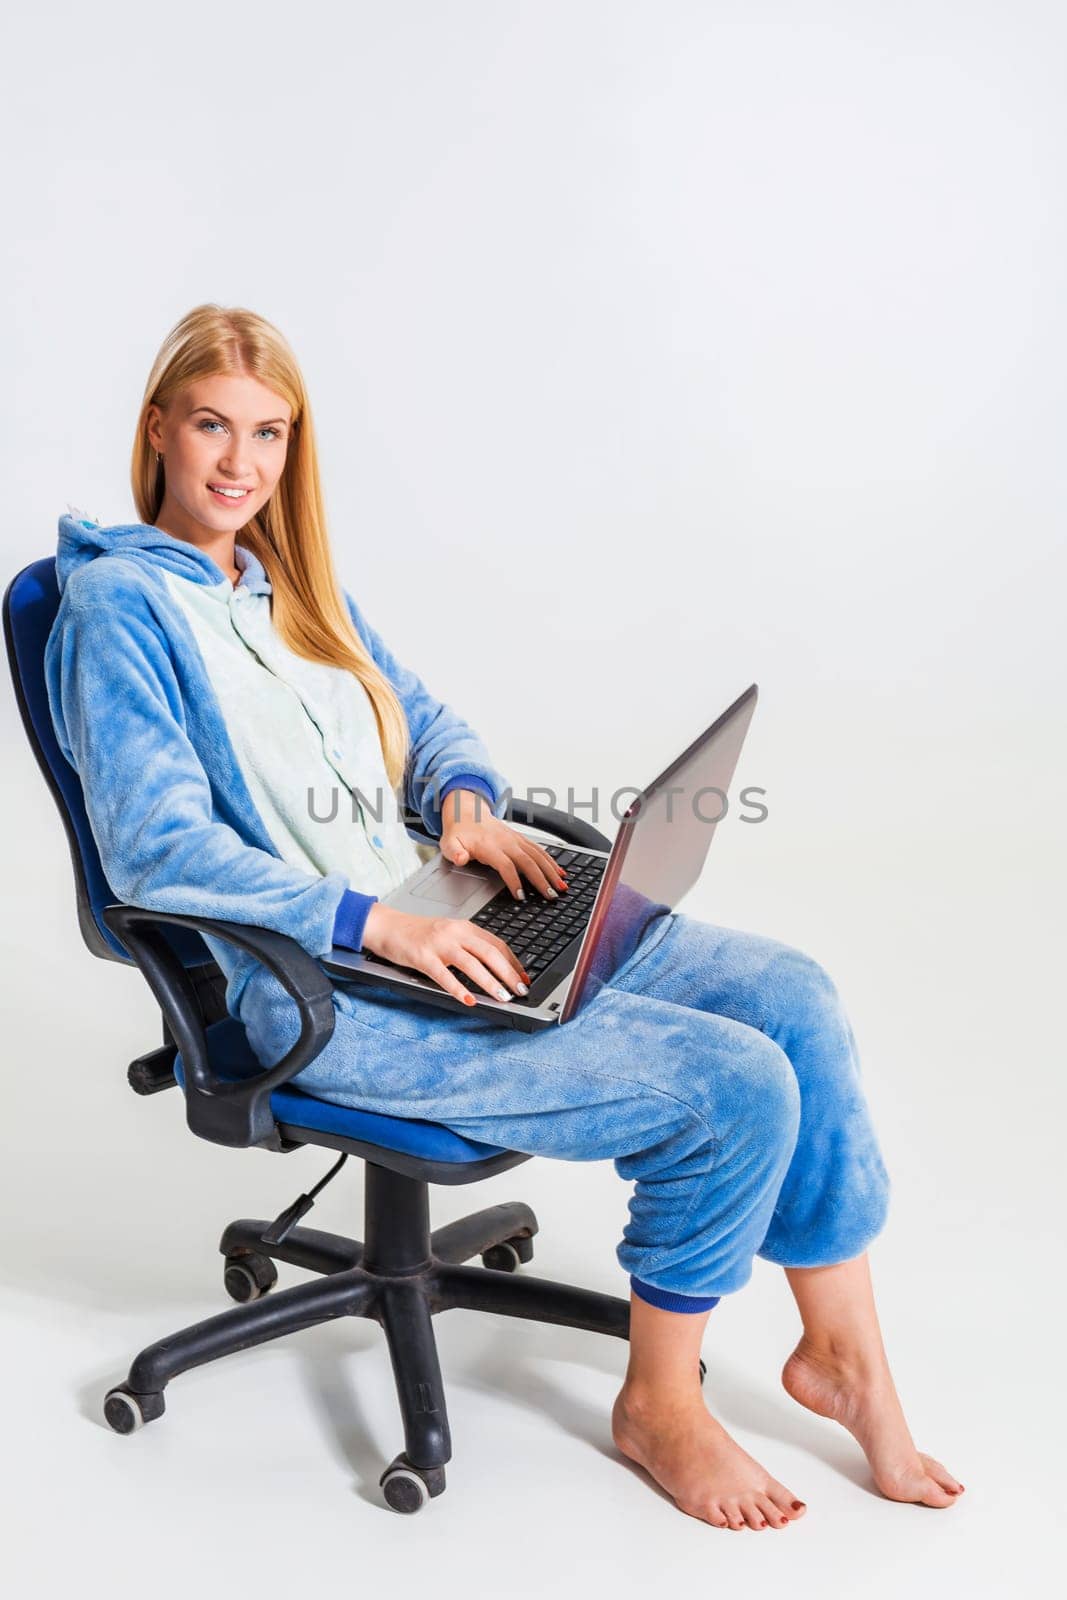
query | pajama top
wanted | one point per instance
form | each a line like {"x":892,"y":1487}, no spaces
{"x":196,"y":734}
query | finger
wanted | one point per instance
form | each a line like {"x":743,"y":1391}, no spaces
{"x":457,"y":851}
{"x":468,"y":963}
{"x":501,"y":862}
{"x":548,"y":864}
{"x":435,"y":968}
{"x":506,"y":950}
{"x":501,"y":960}
{"x":538,"y":875}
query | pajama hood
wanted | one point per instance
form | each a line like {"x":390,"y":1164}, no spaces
{"x":171,"y":813}
{"x":81,"y":540}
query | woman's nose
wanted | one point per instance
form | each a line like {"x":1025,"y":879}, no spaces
{"x":237,"y":460}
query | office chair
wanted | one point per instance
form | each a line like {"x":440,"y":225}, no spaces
{"x":402,"y":1273}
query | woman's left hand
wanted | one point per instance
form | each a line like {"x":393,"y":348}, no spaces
{"x":472,"y":833}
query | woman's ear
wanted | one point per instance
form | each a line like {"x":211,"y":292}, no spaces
{"x":152,"y":428}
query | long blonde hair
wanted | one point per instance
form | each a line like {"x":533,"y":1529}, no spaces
{"x":289,"y":534}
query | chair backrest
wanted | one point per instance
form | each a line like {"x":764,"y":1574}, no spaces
{"x":31,"y":601}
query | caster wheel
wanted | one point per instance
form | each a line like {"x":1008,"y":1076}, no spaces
{"x":125,"y":1411}
{"x":247,"y":1277}
{"x":408,"y":1488}
{"x":508,"y":1255}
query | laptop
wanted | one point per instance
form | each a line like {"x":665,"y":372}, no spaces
{"x":572,"y":945}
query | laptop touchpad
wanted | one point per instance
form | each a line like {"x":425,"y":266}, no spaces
{"x":453,"y":888}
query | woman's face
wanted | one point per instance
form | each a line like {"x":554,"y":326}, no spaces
{"x":219,"y":434}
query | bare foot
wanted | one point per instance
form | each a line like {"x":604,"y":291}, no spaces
{"x":692,"y":1456}
{"x":863,"y":1398}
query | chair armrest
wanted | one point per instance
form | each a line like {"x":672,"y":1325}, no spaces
{"x":572,"y":830}
{"x":236,"y":1113}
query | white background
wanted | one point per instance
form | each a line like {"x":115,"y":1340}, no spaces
{"x":654,"y":349}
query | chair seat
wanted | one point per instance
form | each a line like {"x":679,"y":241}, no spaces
{"x":232,"y":1056}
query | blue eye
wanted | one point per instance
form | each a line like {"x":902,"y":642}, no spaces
{"x":213,"y":422}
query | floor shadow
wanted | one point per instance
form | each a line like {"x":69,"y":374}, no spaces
{"x":516,"y":1366}
{"x":331,"y":1379}
{"x":740,"y":1403}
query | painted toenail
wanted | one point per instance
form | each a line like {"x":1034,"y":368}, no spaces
{"x":798,"y":1505}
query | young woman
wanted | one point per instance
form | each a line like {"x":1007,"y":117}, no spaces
{"x":215,"y":687}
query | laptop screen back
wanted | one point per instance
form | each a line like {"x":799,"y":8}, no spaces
{"x":660,"y":850}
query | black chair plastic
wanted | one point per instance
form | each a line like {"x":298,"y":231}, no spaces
{"x":403,"y":1273}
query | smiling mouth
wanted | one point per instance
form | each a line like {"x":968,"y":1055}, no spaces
{"x":224,"y":493}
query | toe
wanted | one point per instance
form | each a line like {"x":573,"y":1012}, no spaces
{"x":941,"y":1475}
{"x":786,"y":1501}
{"x":934,"y":1495}
{"x":753,"y":1515}
{"x":711,"y":1512}
{"x":734,"y":1515}
{"x":776,"y":1518}
{"x":913,"y":1485}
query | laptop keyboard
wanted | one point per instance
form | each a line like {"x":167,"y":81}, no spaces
{"x":538,"y":929}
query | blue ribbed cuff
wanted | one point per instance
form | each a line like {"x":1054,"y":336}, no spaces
{"x":351,"y":918}
{"x":468,"y":780}
{"x":667,"y":1300}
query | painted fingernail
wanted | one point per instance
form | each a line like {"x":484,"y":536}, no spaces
{"x":520,"y":988}
{"x":503,"y":994}
{"x":520,"y":895}
{"x":552,"y":895}
{"x":468,"y":999}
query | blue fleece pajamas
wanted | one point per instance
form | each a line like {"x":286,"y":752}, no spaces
{"x":716,"y":1068}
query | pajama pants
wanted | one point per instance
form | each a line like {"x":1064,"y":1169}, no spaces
{"x":716,"y":1068}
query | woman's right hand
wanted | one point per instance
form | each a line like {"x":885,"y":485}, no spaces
{"x":433,"y":944}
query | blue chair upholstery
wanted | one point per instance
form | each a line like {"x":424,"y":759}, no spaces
{"x":30,"y":607}
{"x":232,"y":1057}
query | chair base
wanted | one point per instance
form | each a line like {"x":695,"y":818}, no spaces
{"x":401,"y":1276}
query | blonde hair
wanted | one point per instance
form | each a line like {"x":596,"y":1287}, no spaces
{"x":288,"y":535}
